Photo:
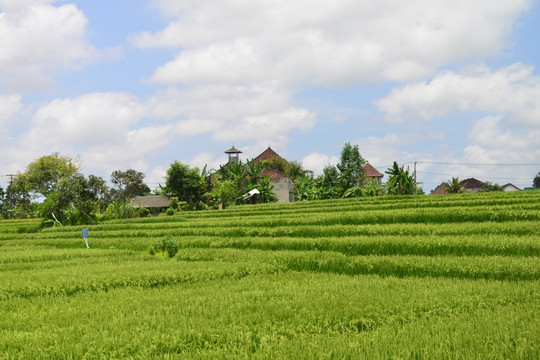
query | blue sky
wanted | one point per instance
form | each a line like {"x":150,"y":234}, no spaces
{"x":453,"y":86}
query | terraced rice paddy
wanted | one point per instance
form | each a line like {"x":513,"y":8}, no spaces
{"x":447,"y":277}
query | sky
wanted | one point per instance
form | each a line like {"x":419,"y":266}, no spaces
{"x":453,"y":86}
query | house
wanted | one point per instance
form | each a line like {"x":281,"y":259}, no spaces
{"x":510,"y":187}
{"x":472,"y":185}
{"x":373,"y":174}
{"x":154,"y":203}
{"x":469,"y":185}
{"x":282,"y":186}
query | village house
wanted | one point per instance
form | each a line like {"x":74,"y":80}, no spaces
{"x":283,"y":186}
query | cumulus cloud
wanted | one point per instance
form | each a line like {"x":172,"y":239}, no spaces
{"x":93,"y":119}
{"x":316,"y":162}
{"x":512,"y":90}
{"x":37,"y":38}
{"x":10,"y":105}
{"x":326,"y":43}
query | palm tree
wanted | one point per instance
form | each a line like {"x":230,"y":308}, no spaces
{"x":396,"y":178}
{"x":454,"y":186}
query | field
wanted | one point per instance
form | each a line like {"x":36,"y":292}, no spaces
{"x":425,"y":277}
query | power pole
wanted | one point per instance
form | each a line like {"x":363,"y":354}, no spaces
{"x":10,"y":195}
{"x":415,"y":186}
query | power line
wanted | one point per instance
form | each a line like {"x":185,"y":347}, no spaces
{"x":472,"y":164}
{"x":499,"y":178}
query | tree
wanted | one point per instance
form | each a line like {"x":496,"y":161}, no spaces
{"x":43,"y":175}
{"x":400,"y":181}
{"x":489,"y":186}
{"x":330,"y":183}
{"x":76,"y":200}
{"x":184,"y":182}
{"x":294,"y":170}
{"x":129,"y":183}
{"x":351,"y":166}
{"x":536,"y":181}
{"x":453,"y":186}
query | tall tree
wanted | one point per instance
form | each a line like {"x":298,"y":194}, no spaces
{"x":400,"y":181}
{"x":536,"y":181}
{"x":184,"y":182}
{"x":43,"y":175}
{"x":351,"y":166}
{"x":77,"y":200}
{"x":128,"y":184}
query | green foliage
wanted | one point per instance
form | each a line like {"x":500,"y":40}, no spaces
{"x":400,"y":182}
{"x":276,"y":163}
{"x":174,"y":204}
{"x":167,"y":246}
{"x":454,"y":186}
{"x":129,"y":184}
{"x":536,"y":181}
{"x":43,"y":175}
{"x":223,"y":192}
{"x":351,"y":167}
{"x":124,"y":210}
{"x":294,"y":170}
{"x":489,"y":186}
{"x":170,"y":211}
{"x":185,"y":183}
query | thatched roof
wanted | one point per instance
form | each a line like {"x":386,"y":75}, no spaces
{"x":233,"y":150}
{"x":154,"y":201}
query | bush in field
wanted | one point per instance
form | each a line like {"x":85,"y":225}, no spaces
{"x":170,"y":211}
{"x":167,"y":245}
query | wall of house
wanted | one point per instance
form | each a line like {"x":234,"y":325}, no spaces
{"x":283,"y":188}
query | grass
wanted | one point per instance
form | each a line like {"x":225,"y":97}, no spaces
{"x":428,"y":277}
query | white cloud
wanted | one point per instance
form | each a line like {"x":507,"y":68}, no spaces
{"x":10,"y":105}
{"x":94,"y":119}
{"x":324,"y":42}
{"x":512,"y":90}
{"x":37,"y":38}
{"x":266,"y":126}
{"x":316,"y":162}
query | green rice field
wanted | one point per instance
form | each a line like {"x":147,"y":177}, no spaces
{"x":409,"y":277}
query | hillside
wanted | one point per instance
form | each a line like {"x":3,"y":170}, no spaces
{"x":419,"y":276}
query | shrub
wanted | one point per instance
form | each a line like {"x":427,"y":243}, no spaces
{"x":170,"y":211}
{"x":167,"y":245}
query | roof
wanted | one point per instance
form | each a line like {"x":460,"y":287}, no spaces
{"x":272,"y":174}
{"x":233,"y":150}
{"x":439,"y":190}
{"x":472,"y":183}
{"x":267,"y":154}
{"x":371,"y":171}
{"x":154,"y":201}
{"x":510,"y":185}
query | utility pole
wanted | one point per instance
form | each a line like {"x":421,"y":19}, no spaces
{"x":10,"y":195}
{"x":415,"y":186}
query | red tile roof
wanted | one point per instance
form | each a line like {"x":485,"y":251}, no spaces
{"x":267,"y":154}
{"x":272,"y":174}
{"x":439,"y":190}
{"x":472,"y":183}
{"x":371,"y":171}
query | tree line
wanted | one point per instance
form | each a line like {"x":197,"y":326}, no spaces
{"x":53,"y":187}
